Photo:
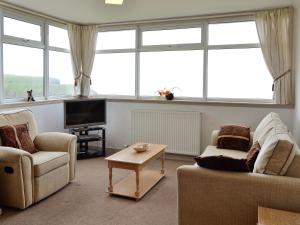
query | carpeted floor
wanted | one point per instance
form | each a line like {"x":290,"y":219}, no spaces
{"x":85,"y":201}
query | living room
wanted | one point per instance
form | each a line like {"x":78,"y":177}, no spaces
{"x":170,"y":73}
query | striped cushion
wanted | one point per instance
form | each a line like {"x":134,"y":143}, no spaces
{"x":276,"y":155}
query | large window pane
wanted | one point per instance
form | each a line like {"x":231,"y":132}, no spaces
{"x":174,"y":36}
{"x":22,"y":29}
{"x":233,"y":33}
{"x":124,"y":39}
{"x":23,"y":70}
{"x":60,"y":74}
{"x":238,"y":73}
{"x":180,"y":69}
{"x":58,"y":37}
{"x":114,"y":74}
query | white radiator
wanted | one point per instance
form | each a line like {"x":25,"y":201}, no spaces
{"x":180,"y":130}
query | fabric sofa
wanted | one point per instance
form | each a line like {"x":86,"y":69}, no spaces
{"x":212,"y":197}
{"x":28,"y":178}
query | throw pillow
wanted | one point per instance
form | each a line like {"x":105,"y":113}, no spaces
{"x":234,"y":137}
{"x":221,"y":162}
{"x":276,"y":155}
{"x":17,"y":136}
{"x":252,"y":156}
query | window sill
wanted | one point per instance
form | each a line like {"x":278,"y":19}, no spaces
{"x":6,"y":105}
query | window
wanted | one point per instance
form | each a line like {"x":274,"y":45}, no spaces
{"x":60,"y":74}
{"x":235,"y":63}
{"x":21,"y":29}
{"x":61,"y":79}
{"x":58,"y":37}
{"x":36,"y":55}
{"x":22,"y":73}
{"x":181,"y":70}
{"x":172,"y":36}
{"x":114,"y":66}
{"x":172,"y":59}
{"x":124,"y":39}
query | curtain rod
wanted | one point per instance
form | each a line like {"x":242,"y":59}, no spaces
{"x":186,"y":18}
{"x":20,"y":9}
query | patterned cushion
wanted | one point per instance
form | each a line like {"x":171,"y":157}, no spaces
{"x":234,"y":137}
{"x":276,"y":155}
{"x":252,"y":155}
{"x":17,"y":136}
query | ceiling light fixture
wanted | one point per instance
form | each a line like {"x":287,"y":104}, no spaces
{"x":114,"y":2}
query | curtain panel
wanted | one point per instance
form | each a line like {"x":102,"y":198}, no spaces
{"x":83,"y":41}
{"x":275,"y":31}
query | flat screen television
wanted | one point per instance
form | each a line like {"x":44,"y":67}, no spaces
{"x":84,"y":112}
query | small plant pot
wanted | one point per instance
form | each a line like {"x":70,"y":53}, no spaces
{"x":170,"y":96}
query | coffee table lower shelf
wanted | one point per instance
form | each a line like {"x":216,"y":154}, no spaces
{"x":127,"y":186}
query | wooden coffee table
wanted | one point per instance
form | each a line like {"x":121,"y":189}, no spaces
{"x":137,"y":184}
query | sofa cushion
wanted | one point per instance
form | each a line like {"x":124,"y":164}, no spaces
{"x":268,"y":123}
{"x":17,"y":136}
{"x":252,"y":155}
{"x":276,"y":154}
{"x":234,"y":137}
{"x":213,"y":151}
{"x":44,"y":162}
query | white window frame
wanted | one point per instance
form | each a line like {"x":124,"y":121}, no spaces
{"x":43,"y":44}
{"x":232,"y":46}
{"x":56,"y":49}
{"x":181,"y":24}
{"x":125,"y":50}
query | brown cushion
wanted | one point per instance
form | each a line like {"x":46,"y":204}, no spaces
{"x":220,"y":162}
{"x":17,"y":136}
{"x":234,"y":137}
{"x":252,"y":155}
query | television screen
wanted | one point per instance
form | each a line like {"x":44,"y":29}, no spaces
{"x":87,"y":112}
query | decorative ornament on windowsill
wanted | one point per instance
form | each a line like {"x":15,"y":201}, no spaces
{"x":30,"y":97}
{"x":167,"y":93}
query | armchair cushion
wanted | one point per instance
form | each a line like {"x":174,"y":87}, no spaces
{"x":44,"y":162}
{"x":17,"y":136}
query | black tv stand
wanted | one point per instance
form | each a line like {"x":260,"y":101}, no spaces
{"x":84,"y":136}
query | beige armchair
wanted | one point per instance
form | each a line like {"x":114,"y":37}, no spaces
{"x":28,"y":178}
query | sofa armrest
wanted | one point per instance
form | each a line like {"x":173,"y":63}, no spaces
{"x":212,"y":197}
{"x":62,"y":142}
{"x":214,"y":137}
{"x":16,"y":178}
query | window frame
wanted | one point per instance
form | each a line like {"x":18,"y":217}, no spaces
{"x":204,"y":45}
{"x":125,"y":50}
{"x":56,"y":49}
{"x":43,"y":44}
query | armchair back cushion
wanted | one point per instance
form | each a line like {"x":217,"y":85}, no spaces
{"x":23,"y":116}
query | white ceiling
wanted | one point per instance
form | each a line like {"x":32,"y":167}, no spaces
{"x":95,"y":11}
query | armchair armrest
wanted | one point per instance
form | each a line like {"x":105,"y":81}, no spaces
{"x":16,"y":173}
{"x":230,"y":198}
{"x":61,"y":142}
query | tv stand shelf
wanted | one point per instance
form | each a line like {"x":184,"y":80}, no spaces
{"x":84,"y":137}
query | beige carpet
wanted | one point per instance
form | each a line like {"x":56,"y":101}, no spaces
{"x":85,"y":201}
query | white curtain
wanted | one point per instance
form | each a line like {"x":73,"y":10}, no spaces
{"x":275,"y":34}
{"x":83,"y":41}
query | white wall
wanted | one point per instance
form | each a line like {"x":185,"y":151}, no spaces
{"x":50,"y":118}
{"x":118,"y":121}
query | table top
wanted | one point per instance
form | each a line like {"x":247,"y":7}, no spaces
{"x":267,"y":216}
{"x":129,"y":155}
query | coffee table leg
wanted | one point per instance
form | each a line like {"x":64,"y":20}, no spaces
{"x":110,"y":187}
{"x":163,"y":163}
{"x":137,"y":173}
